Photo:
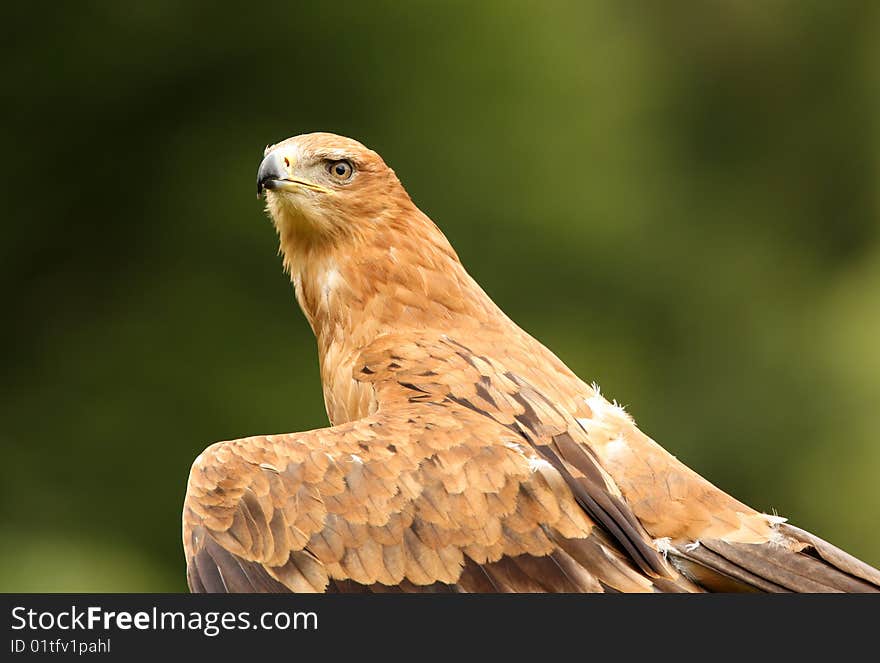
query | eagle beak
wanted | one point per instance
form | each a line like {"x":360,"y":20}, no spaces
{"x":273,"y":170}
{"x":275,"y":173}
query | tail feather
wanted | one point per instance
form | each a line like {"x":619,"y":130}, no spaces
{"x":793,"y":561}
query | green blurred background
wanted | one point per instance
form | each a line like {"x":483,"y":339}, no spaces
{"x":680,"y":199}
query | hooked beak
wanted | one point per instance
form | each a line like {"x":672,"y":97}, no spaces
{"x":272,"y":172}
{"x":275,"y":173}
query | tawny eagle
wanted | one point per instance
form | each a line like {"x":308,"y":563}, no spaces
{"x":463,"y":455}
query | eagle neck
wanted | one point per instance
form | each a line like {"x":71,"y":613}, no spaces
{"x":394,"y":278}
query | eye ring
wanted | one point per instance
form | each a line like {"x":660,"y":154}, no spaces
{"x":340,"y":169}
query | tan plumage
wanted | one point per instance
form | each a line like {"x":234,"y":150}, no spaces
{"x":463,"y":455}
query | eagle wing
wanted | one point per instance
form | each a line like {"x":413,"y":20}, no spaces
{"x":467,"y":478}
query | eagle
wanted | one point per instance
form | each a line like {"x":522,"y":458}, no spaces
{"x":462,"y":455}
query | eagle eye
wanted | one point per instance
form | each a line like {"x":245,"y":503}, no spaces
{"x":340,"y":169}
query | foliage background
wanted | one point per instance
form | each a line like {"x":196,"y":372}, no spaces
{"x":681,"y":199}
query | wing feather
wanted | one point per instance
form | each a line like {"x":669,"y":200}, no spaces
{"x":468,"y":477}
